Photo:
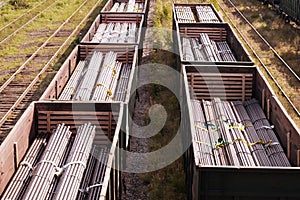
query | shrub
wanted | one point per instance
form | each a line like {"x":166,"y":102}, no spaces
{"x":19,"y":3}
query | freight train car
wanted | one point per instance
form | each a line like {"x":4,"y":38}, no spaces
{"x":58,"y":141}
{"x":226,"y":107}
{"x":68,"y":81}
{"x":121,"y":31}
{"x":127,"y":30}
{"x":209,"y":44}
{"x":120,"y":9}
{"x":72,"y":81}
{"x":196,"y":13}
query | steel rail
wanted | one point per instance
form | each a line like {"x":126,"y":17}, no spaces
{"x":16,"y":19}
{"x":31,"y":20}
{"x":261,"y":62}
{"x":265,"y":41}
{"x":4,"y":118}
{"x":37,"y":51}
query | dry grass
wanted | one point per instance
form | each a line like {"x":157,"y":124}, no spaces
{"x":285,"y":40}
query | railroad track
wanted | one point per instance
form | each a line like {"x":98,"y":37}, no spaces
{"x":18,"y":91}
{"x":12,"y":27}
{"x":286,"y":81}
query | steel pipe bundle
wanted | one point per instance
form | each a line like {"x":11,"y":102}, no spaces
{"x":121,"y":7}
{"x":139,"y":7}
{"x":115,"y":7}
{"x":205,"y":49}
{"x":106,"y":82}
{"x":184,"y":14}
{"x":221,"y":122}
{"x":197,"y":49}
{"x":77,"y":160}
{"x":264,"y":130}
{"x":99,"y":33}
{"x":209,"y":48}
{"x":206,"y":14}
{"x":92,"y":184}
{"x":20,"y":180}
{"x":132,"y":29}
{"x":88,"y":174}
{"x":234,"y":139}
{"x":106,"y":34}
{"x":54,"y":183}
{"x":213,"y":131}
{"x":116,"y":33}
{"x":98,"y":175}
{"x":123,"y":83}
{"x":86,"y":87}
{"x":202,"y":137}
{"x":237,"y":137}
{"x":106,"y":85}
{"x":258,"y":151}
{"x":187,"y":50}
{"x":131,"y":6}
{"x":123,"y":33}
{"x":44,"y":172}
{"x":71,"y":86}
{"x":225,"y":51}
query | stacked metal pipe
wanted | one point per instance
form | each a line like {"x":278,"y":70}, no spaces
{"x":59,"y":169}
{"x":71,"y":86}
{"x":20,"y":180}
{"x":99,"y":33}
{"x":116,"y":33}
{"x":139,"y":7}
{"x":130,"y":6}
{"x":86,"y":87}
{"x":225,"y":51}
{"x":106,"y":34}
{"x":224,"y":133}
{"x":121,"y":38}
{"x":94,"y":176}
{"x":237,"y":135}
{"x":115,"y":7}
{"x":258,"y":151}
{"x":214,"y":133}
{"x":121,"y":8}
{"x":184,"y":14}
{"x":202,"y":139}
{"x":209,"y":48}
{"x":74,"y":169}
{"x":265,"y":132}
{"x":197,"y":50}
{"x":187,"y":50}
{"x":132,"y":29}
{"x":107,"y":80}
{"x":206,"y":49}
{"x":107,"y":86}
{"x":206,"y":14}
{"x":44,"y":172}
{"x":123,"y":83}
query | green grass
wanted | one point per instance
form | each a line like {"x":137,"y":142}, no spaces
{"x":169,"y":182}
{"x":10,"y":11}
{"x":25,"y":42}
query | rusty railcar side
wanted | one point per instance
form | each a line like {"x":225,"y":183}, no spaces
{"x":42,"y":117}
{"x":232,"y":182}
